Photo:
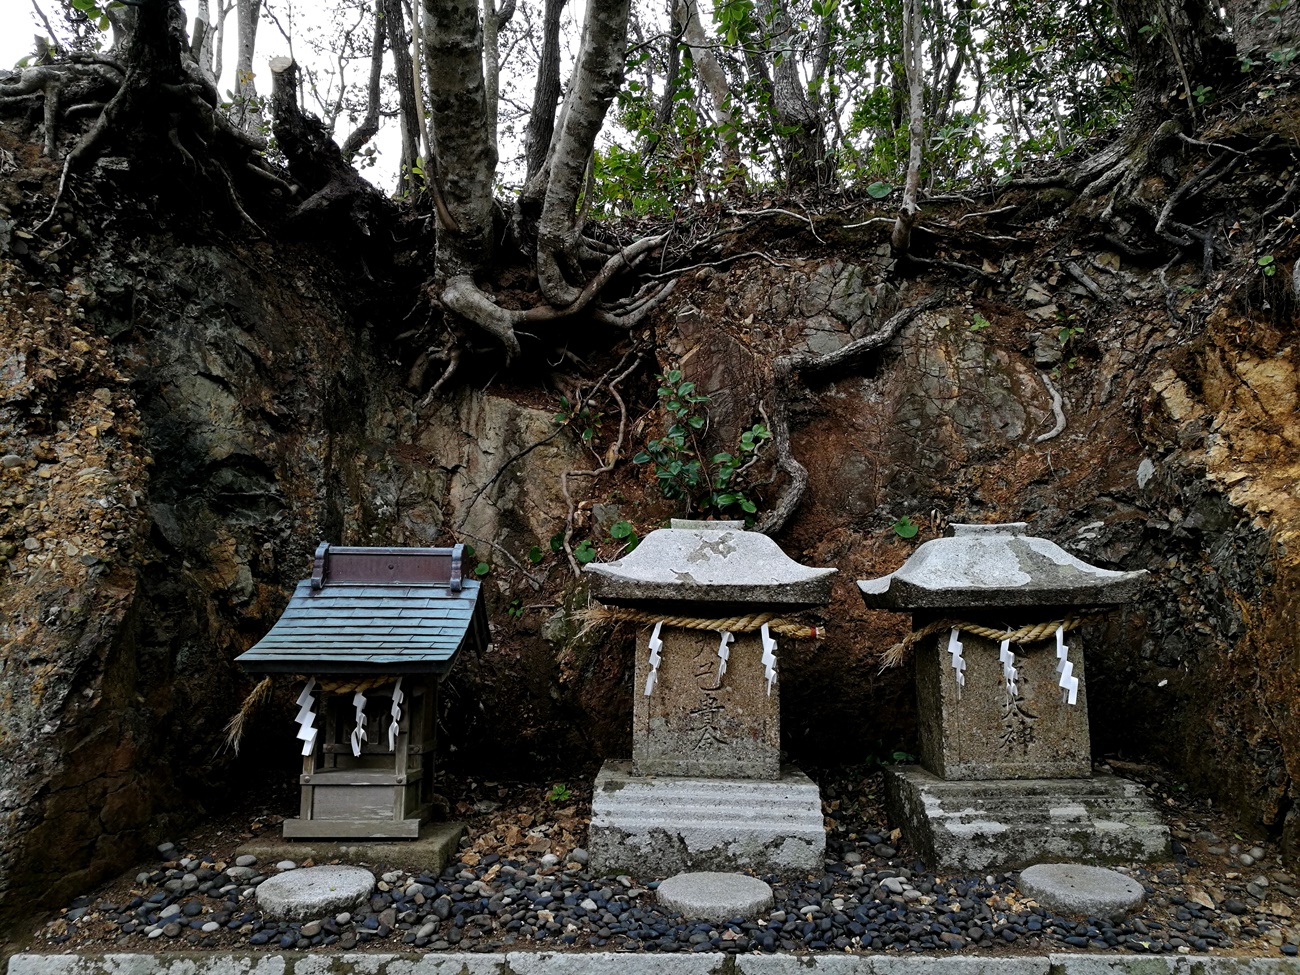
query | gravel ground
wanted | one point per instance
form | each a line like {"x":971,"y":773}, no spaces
{"x":522,"y":881}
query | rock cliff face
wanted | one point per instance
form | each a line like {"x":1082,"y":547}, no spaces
{"x":184,"y":417}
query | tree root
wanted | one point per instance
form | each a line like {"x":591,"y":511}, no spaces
{"x":809,"y":363}
{"x":1056,"y":411}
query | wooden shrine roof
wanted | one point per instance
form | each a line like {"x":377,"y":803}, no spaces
{"x":375,"y":611}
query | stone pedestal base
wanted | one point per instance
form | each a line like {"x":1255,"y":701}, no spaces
{"x":659,"y":825}
{"x":1007,"y":823}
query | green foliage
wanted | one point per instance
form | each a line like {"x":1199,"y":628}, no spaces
{"x":559,"y":793}
{"x":585,"y":552}
{"x":557,"y":542}
{"x":978,"y":321}
{"x":680,"y":471}
{"x":482,"y":569}
{"x":879,"y":190}
{"x":535,"y":554}
{"x":1268,"y":265}
{"x":515,"y":609}
{"x":625,"y":532}
{"x":905,"y":527}
{"x":583,"y":419}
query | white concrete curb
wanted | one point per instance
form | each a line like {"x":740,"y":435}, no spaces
{"x":662,"y":963}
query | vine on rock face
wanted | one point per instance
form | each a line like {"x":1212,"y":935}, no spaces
{"x":679,"y":469}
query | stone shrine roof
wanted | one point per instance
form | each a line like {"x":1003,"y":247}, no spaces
{"x":992,"y":566}
{"x":710,"y":562}
{"x":375,"y":611}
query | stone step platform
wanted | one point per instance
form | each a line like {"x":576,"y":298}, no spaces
{"x":1010,"y":823}
{"x":602,"y":963}
{"x":672,"y":824}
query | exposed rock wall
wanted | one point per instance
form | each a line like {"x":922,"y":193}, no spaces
{"x":183,"y":420}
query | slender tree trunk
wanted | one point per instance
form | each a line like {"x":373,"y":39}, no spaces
{"x":601,"y":62}
{"x":714,"y":79}
{"x":541,"y":120}
{"x":394,"y":26}
{"x":223,"y":13}
{"x":901,"y":239}
{"x":790,"y":104}
{"x":247,"y":12}
{"x":493,"y":21}
{"x":204,"y":53}
{"x":672,"y":84}
{"x":370,"y":124}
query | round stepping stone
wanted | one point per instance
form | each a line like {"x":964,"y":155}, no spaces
{"x":715,"y":896}
{"x":1072,"y":888}
{"x":312,"y":892}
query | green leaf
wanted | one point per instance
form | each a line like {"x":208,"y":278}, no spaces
{"x":879,"y":190}
{"x":482,"y":569}
{"x":585,"y":552}
{"x":1265,"y":261}
{"x":535,"y":555}
{"x":621,"y":529}
{"x":469,"y":551}
{"x":642,"y":458}
{"x":748,"y":506}
{"x":905,"y":527}
{"x":978,"y":321}
{"x":696,"y":422}
{"x":557,"y":541}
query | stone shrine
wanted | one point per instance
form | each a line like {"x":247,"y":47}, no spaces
{"x":1006,"y":774}
{"x":705,"y":789}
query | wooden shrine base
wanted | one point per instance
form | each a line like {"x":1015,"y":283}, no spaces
{"x":428,"y":853}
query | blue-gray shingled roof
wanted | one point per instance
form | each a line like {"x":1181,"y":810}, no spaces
{"x":384,"y":629}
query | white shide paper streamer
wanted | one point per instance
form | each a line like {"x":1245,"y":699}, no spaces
{"x":724,"y":652}
{"x":1009,"y":672}
{"x":958,"y":661}
{"x":769,"y":657}
{"x":359,"y":732}
{"x":1069,"y":683}
{"x":306,"y":718}
{"x":655,"y":645}
{"x":396,"y":712}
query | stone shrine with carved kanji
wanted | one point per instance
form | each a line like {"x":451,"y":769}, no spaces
{"x":1006,"y":776}
{"x":705,"y":789}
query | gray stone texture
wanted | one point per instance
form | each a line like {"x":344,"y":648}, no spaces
{"x":988,"y":566}
{"x":311,"y":892}
{"x":1076,"y":888}
{"x":714,"y":896}
{"x":694,"y":723}
{"x":967,"y":825}
{"x":429,"y":852}
{"x":984,"y":733}
{"x":668,"y":824}
{"x":709,"y":562}
{"x":602,"y":962}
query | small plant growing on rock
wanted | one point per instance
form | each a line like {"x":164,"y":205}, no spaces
{"x":559,"y":793}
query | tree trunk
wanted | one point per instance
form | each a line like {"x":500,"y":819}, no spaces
{"x":601,"y":61}
{"x":394,"y":26}
{"x":247,"y":12}
{"x":370,"y":124}
{"x":493,"y":21}
{"x":901,"y":238}
{"x":672,"y":84}
{"x":453,"y":65}
{"x":715,"y":82}
{"x":1174,"y":47}
{"x":541,"y":120}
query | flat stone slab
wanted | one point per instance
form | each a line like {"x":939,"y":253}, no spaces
{"x":1075,"y":888}
{"x":709,"y":562}
{"x":1012,"y":823}
{"x":715,"y":896}
{"x":603,"y":962}
{"x":430,"y":852}
{"x":992,"y":566}
{"x":660,"y":825}
{"x":311,"y":892}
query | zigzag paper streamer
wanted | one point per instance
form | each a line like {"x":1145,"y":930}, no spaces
{"x":1069,"y":683}
{"x":769,"y":657}
{"x":1009,"y":672}
{"x":306,"y":718}
{"x":655,"y":645}
{"x":359,"y":732}
{"x":958,"y":661}
{"x":724,"y":652}
{"x":396,"y":712}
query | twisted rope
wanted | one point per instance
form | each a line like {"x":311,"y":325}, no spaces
{"x":732,"y":624}
{"x":1031,"y":633}
{"x":260,"y":694}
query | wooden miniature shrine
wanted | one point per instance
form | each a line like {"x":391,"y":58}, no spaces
{"x":372,"y":633}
